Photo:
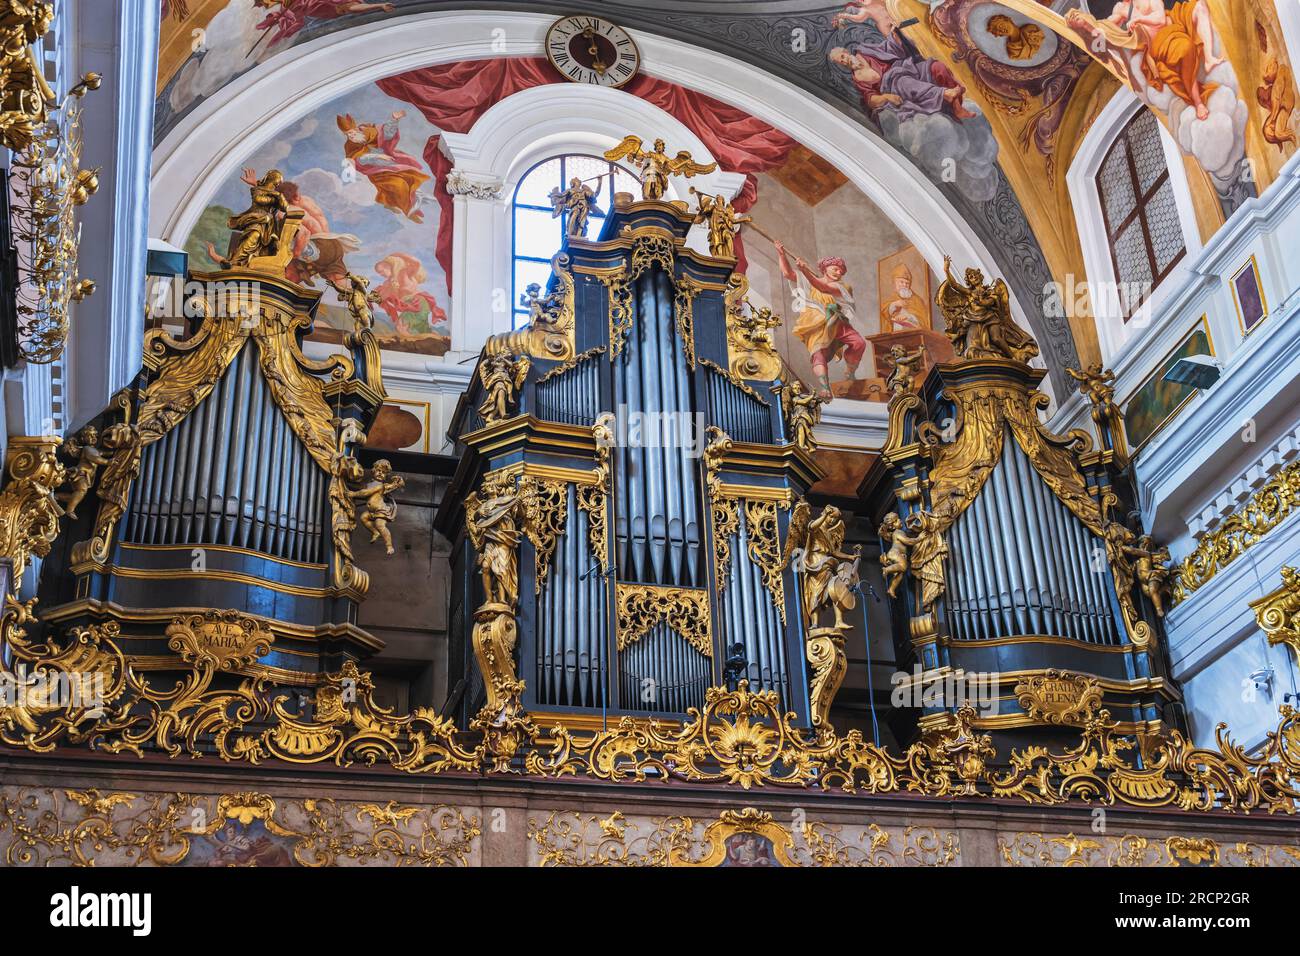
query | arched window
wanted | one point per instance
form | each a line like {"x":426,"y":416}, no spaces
{"x":1140,"y":211}
{"x":538,"y":233}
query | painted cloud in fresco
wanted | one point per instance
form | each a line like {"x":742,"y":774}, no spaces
{"x":921,"y":107}
{"x":228,"y":41}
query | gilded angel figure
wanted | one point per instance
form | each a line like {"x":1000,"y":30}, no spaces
{"x":656,"y":165}
{"x":978,"y":316}
{"x":826,"y":571}
{"x":493,"y":519}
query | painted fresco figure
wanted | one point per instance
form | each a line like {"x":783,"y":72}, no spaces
{"x":285,"y":18}
{"x":396,"y":176}
{"x":825,"y":324}
{"x":1176,"y":44}
{"x":411,"y":310}
{"x":890,"y":74}
{"x":906,"y":310}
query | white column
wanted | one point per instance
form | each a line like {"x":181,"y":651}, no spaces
{"x":119,"y":40}
{"x":480,"y":303}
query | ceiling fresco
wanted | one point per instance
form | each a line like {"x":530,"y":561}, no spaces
{"x":989,"y":101}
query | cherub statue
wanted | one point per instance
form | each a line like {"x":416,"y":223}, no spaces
{"x":906,"y":365}
{"x":502,"y":375}
{"x":827,"y":572}
{"x":754,"y":328}
{"x":802,"y":409}
{"x":542,"y":309}
{"x":84,"y":448}
{"x":978,"y":316}
{"x":380,"y":507}
{"x":1149,"y":566}
{"x":493,"y":520}
{"x":357,"y":296}
{"x":722,"y":220}
{"x":256,"y":230}
{"x":579,"y":200}
{"x":656,"y":165}
{"x":895,"y":562}
{"x":1121,"y":545}
{"x":1098,"y":385}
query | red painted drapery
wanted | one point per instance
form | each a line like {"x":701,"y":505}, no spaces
{"x":453,"y":96}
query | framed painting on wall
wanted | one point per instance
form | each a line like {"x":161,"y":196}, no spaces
{"x":1248,"y":296}
{"x":1156,"y":401}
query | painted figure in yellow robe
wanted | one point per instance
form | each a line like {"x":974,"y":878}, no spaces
{"x":825,"y":322}
{"x":1176,"y":44}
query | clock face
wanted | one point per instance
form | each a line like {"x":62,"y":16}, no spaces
{"x":592,"y":50}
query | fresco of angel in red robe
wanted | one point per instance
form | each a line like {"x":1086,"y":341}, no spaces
{"x":373,"y":152}
{"x":284,"y":18}
{"x":411,"y":310}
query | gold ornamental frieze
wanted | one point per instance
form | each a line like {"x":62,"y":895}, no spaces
{"x":1057,"y":697}
{"x":1271,"y":504}
{"x":228,"y":639}
{"x":1278,"y":613}
{"x":643,"y":607}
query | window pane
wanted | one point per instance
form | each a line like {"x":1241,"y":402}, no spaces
{"x":526,"y":272}
{"x":1115,"y":184}
{"x":1132,"y":262}
{"x":536,"y":186}
{"x":584,"y":167}
{"x":537,"y":233}
{"x":1166,"y":232}
{"x":625,"y":182}
{"x":1144,"y":146}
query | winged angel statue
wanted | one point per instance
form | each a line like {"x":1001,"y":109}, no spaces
{"x":978,"y":315}
{"x":656,"y":165}
{"x":827,"y":573}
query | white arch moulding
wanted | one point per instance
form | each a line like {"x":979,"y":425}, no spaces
{"x":208,"y":145}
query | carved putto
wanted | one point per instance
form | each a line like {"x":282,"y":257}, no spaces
{"x":915,"y":544}
{"x":978,"y":315}
{"x":380,"y":508}
{"x":906,"y":365}
{"x":656,"y":165}
{"x":356,"y":295}
{"x":84,"y":447}
{"x":1098,"y":386}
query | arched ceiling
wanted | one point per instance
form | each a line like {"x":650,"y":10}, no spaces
{"x":1027,"y":88}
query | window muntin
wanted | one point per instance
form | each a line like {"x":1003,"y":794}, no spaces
{"x":537,"y":234}
{"x":1140,"y":212}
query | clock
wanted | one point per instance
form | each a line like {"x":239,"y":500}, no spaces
{"x":591,"y":50}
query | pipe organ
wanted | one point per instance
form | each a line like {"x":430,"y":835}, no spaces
{"x":225,"y":482}
{"x":1006,"y":548}
{"x":627,"y":483}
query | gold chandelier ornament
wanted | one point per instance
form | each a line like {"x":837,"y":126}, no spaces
{"x":49,"y":185}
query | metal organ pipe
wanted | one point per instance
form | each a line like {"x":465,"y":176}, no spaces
{"x":231,"y":473}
